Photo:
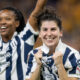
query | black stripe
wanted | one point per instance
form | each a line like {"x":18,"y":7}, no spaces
{"x":27,"y":35}
{"x":67,"y":51}
{"x":72,"y":59}
{"x":9,"y":59}
{"x":27,"y":49}
{"x":19,"y":62}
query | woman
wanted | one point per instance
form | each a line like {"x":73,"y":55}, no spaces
{"x":54,"y":60}
{"x":16,"y":41}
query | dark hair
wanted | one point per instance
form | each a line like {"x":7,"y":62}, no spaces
{"x":19,"y":17}
{"x":48,"y":13}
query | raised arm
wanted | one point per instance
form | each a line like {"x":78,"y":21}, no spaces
{"x":32,"y":19}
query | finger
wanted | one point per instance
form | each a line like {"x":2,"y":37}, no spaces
{"x":40,"y":51}
{"x":57,"y":55}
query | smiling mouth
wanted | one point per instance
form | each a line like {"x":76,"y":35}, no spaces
{"x":50,"y":38}
{"x":3,"y":27}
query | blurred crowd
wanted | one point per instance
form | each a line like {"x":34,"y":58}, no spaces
{"x":69,"y":10}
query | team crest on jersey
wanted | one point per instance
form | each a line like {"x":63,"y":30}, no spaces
{"x":78,"y":67}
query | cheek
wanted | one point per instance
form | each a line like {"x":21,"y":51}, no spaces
{"x":58,"y":33}
{"x":10,"y":21}
{"x":55,"y":33}
{"x":10,"y":25}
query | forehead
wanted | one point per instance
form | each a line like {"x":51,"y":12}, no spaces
{"x":49,"y":24}
{"x":7,"y":12}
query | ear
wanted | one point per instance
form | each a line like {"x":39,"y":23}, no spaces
{"x":61,"y":33}
{"x":17,"y":23}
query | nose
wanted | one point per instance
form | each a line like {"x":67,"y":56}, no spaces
{"x":2,"y":22}
{"x":48,"y":32}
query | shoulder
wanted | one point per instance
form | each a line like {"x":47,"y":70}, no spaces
{"x":71,"y":51}
{"x":71,"y":48}
{"x":18,"y":41}
{"x":35,"y":50}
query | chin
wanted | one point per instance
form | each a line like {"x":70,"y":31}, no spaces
{"x":51,"y":45}
{"x":3,"y":34}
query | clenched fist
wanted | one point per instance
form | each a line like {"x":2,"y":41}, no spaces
{"x":38,"y":57}
{"x":58,"y":58}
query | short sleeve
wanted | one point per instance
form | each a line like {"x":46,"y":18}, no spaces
{"x":28,"y":34}
{"x":74,"y":71}
{"x":31,"y":65}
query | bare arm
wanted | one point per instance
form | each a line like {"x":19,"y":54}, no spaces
{"x":32,"y":19}
{"x":36,"y":74}
{"x":63,"y":74}
{"x":58,"y":57}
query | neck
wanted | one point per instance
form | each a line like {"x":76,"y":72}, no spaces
{"x":51,"y":51}
{"x":6,"y":38}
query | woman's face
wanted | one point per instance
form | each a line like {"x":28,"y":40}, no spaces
{"x":8,"y":23}
{"x":50,"y":33}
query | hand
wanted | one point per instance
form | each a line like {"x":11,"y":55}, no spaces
{"x":41,"y":3}
{"x":38,"y":57}
{"x":58,"y":58}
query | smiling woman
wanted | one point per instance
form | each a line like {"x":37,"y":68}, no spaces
{"x":8,"y":24}
{"x":13,"y":50}
{"x":54,"y":60}
{"x":16,"y":41}
{"x":50,"y":33}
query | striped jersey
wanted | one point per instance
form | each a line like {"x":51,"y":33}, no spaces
{"x":13,"y":54}
{"x":71,"y":62}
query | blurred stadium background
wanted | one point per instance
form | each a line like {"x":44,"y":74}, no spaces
{"x":69,"y":10}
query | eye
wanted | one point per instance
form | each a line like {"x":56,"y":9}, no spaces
{"x":44,"y":29}
{"x":53,"y":29}
{"x":8,"y":18}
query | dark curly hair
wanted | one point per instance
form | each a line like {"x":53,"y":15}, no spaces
{"x":48,"y":13}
